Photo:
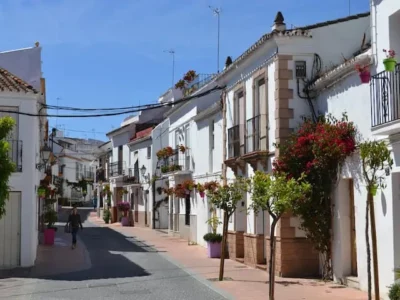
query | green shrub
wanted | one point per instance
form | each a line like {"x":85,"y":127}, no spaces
{"x":213,"y":237}
{"x":106,"y":216}
{"x":394,"y":291}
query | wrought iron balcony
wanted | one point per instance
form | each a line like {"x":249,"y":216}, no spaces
{"x":200,"y":81}
{"x":253,"y":135}
{"x":15,"y":153}
{"x":88,"y":175}
{"x":132,"y":176}
{"x":102,"y":175}
{"x":117,"y":168}
{"x":236,"y":145}
{"x":385,"y":97}
{"x":178,"y":161}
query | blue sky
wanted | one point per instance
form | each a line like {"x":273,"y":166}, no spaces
{"x":103,"y":53}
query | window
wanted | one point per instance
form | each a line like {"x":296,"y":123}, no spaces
{"x":14,"y":133}
{"x":149,"y":152}
{"x":236,"y":107}
{"x":212,"y":137}
{"x":77,"y":171}
{"x":259,"y":98}
{"x":211,"y":149}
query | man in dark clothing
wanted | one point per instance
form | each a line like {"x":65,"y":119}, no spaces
{"x":74,"y":220}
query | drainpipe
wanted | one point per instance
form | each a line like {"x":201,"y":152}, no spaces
{"x":153,"y":189}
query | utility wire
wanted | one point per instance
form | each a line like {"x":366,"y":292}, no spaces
{"x":131,"y":110}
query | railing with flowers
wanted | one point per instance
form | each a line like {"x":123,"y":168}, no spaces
{"x":385,"y":97}
{"x":172,"y":160}
{"x":192,"y":82}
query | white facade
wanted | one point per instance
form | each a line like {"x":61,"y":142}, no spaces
{"x":23,"y":184}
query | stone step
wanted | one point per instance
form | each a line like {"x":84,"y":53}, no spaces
{"x":352,"y":281}
{"x":262,"y":267}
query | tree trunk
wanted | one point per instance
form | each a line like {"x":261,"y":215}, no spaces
{"x":374,"y":245}
{"x":223,"y":246}
{"x":368,"y":248}
{"x":272,"y":261}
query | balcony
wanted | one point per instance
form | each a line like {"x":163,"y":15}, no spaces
{"x":256,"y":142}
{"x":15,"y":153}
{"x":236,"y":147}
{"x":385,"y":102}
{"x":178,"y":161}
{"x":117,"y":168}
{"x":88,"y":175}
{"x":200,"y":81}
{"x":102,"y":175}
{"x":132,"y":176}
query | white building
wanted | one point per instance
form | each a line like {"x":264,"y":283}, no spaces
{"x":19,"y":226}
{"x":122,"y":165}
{"x":265,"y":103}
{"x":374,"y":109}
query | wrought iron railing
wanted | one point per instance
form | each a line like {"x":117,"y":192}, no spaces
{"x":253,"y":134}
{"x":385,"y":97}
{"x":88,"y":175}
{"x":15,"y":153}
{"x":102,"y":175}
{"x":132,"y":176}
{"x":234,"y":141}
{"x":117,"y":168}
{"x":178,"y":161}
{"x":200,"y":81}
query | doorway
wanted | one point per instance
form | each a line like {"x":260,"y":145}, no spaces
{"x":146,"y":209}
{"x":353,"y":233}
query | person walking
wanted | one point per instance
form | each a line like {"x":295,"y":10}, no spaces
{"x":74,"y":221}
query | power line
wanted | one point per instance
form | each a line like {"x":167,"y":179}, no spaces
{"x":147,"y":107}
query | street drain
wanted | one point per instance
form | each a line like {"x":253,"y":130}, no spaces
{"x":225,"y":279}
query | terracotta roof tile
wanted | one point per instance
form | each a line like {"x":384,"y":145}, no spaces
{"x":11,"y":83}
{"x":142,"y":134}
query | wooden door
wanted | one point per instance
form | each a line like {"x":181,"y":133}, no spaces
{"x":353,"y":239}
{"x":10,"y":232}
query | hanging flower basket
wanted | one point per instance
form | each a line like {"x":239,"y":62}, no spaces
{"x":179,"y":191}
{"x":159,"y":190}
{"x":41,"y":192}
{"x":390,"y":62}
{"x":200,"y":188}
{"x":364,"y":73}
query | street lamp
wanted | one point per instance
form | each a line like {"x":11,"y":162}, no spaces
{"x":143,"y":171}
{"x":46,"y":151}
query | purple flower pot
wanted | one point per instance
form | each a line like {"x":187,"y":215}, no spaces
{"x":124,"y":221}
{"x":213,"y":250}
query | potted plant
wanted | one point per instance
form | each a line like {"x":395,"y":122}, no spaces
{"x":124,"y":207}
{"x":365,"y":74}
{"x":188,"y":185}
{"x":213,"y":244}
{"x":168,"y":191}
{"x":106,"y":216}
{"x":211,"y":186}
{"x":165,"y":169}
{"x":49,"y":217}
{"x":41,"y":192}
{"x":389,"y":62}
{"x":180,"y":84}
{"x":182,"y":148}
{"x":179,"y":191}
{"x":200,"y":188}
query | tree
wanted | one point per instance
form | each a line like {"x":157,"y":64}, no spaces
{"x":227,"y":197}
{"x":7,"y":167}
{"x":275,"y":194}
{"x":375,"y":157}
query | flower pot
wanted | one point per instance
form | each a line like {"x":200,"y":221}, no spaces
{"x":125,"y":221}
{"x":213,"y":250}
{"x":201,"y":194}
{"x":107,"y":221}
{"x":365,"y":77}
{"x":49,"y":234}
{"x":390,"y":64}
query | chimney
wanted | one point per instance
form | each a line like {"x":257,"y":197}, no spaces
{"x":279,"y":25}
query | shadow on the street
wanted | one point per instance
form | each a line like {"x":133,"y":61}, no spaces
{"x":108,"y":250}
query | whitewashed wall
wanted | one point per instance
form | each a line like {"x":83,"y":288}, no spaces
{"x":27,"y":181}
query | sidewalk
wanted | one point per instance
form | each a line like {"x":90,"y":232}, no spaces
{"x":54,"y":260}
{"x":242,"y":282}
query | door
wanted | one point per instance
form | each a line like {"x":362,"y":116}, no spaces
{"x":10,"y":232}
{"x":136,"y":200}
{"x":353,"y":235}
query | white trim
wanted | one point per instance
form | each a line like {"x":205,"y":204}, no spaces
{"x":342,"y":71}
{"x":212,"y":110}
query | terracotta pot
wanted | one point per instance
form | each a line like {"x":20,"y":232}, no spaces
{"x":365,"y":77}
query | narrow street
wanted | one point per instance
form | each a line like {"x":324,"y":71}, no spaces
{"x":111,"y":267}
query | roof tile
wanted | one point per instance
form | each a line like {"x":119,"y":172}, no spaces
{"x":11,"y":83}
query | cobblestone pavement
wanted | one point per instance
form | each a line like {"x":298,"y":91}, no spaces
{"x":106,"y":265}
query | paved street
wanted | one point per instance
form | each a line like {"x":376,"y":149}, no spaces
{"x":112,"y":266}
